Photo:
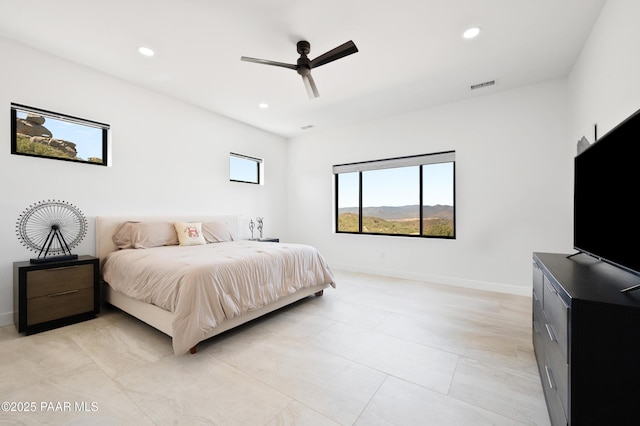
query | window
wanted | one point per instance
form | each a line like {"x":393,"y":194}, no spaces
{"x":39,"y":133}
{"x":348,"y":195}
{"x":245,"y":169}
{"x":408,"y":196}
{"x":391,"y":201}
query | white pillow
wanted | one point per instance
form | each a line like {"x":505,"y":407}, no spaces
{"x":189,"y":233}
{"x":145,"y":235}
{"x":216,"y":232}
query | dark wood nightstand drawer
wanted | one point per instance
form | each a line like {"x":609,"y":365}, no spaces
{"x":46,"y":282}
{"x":51,"y":307}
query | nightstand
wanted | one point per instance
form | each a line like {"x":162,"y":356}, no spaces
{"x":54,"y":294}
{"x":269,"y":240}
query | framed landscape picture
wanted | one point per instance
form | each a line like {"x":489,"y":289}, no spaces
{"x":46,"y":134}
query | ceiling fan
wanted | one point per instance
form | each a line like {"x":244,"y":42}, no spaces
{"x":304,"y":65}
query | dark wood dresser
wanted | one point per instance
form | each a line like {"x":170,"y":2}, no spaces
{"x":53,"y":294}
{"x":586,"y":337}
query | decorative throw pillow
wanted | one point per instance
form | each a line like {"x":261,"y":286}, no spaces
{"x":190,"y":233}
{"x":216,"y":232}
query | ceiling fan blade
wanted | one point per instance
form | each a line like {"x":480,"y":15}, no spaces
{"x":341,"y":51}
{"x":310,"y":85}
{"x":268,"y":62}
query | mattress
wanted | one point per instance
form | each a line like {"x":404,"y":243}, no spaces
{"x":204,"y":285}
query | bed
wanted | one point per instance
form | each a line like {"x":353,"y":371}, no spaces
{"x":193,"y":277}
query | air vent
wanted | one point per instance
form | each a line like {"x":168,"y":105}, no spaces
{"x":481,"y":85}
{"x":307,"y":127}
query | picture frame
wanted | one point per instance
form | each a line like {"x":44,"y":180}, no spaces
{"x":40,"y":133}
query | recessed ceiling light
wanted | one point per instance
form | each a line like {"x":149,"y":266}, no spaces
{"x":146,"y":51}
{"x":472,"y":32}
{"x":263,"y":105}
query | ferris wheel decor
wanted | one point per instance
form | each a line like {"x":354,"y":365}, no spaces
{"x":51,"y":227}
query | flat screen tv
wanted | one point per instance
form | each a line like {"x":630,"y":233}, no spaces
{"x":606,"y":195}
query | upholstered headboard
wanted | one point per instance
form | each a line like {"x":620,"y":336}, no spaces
{"x":107,"y":225}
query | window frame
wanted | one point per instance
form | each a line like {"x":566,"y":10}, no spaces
{"x":103,"y":146}
{"x":259,"y":165}
{"x":391,"y":163}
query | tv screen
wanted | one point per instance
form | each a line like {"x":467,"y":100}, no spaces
{"x":606,"y":192}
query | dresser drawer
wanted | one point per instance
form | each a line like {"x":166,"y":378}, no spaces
{"x":556,"y":362}
{"x":47,"y":308}
{"x":537,"y":282}
{"x":557,"y":314}
{"x":537,"y":305}
{"x":45,"y":282}
{"x":538,"y":319}
{"x":538,"y":325}
{"x":551,"y":394}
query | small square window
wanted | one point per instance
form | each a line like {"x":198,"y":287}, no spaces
{"x":244,"y":169}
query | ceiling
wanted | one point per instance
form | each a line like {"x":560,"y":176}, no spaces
{"x":411,"y":52}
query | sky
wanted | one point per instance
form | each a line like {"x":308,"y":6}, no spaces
{"x":398,"y":186}
{"x":243,"y":169}
{"x":88,"y":139}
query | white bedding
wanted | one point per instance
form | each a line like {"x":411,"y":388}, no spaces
{"x":206,"y":284}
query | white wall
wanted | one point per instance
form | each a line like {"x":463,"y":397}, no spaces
{"x":168,"y":157}
{"x":513,"y":188}
{"x":604,"y":85}
{"x":514,"y":153}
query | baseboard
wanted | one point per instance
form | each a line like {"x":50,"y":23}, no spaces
{"x":436,"y":279}
{"x":6,"y":319}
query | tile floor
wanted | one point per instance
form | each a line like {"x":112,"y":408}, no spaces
{"x":374,"y":351}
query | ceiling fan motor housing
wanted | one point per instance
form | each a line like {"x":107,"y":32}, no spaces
{"x":304,"y":47}
{"x":304,"y":67}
